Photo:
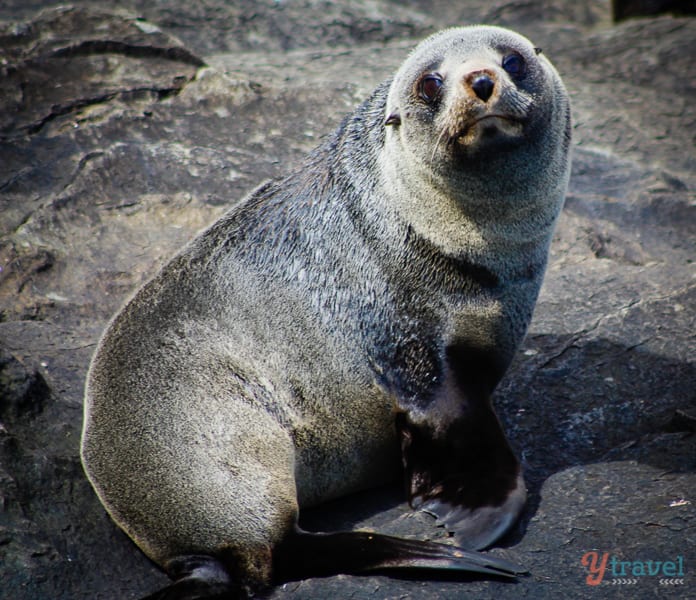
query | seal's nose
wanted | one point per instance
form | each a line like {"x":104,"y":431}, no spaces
{"x":483,"y":86}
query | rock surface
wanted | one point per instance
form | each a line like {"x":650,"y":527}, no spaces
{"x":122,"y":133}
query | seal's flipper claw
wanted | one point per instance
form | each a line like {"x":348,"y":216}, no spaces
{"x":478,"y":528}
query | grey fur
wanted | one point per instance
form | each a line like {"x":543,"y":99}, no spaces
{"x":261,"y":369}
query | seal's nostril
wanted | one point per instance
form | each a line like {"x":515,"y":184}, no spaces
{"x":483,"y":87}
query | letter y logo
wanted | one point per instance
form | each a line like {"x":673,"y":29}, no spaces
{"x":596,"y":568}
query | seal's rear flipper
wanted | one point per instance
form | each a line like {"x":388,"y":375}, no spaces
{"x":307,"y":554}
{"x":198,"y":577}
{"x":303,"y":554}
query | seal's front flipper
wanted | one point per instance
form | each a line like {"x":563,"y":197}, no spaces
{"x":478,"y":528}
{"x":306,"y":554}
{"x":466,"y":475}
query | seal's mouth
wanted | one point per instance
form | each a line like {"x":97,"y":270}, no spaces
{"x":489,"y":125}
{"x":474,"y":132}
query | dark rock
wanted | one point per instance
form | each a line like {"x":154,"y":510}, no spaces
{"x":117,"y":144}
{"x":22,"y":393}
{"x":88,"y":59}
{"x":626,"y":9}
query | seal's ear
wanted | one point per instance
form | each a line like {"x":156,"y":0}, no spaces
{"x":393,"y":119}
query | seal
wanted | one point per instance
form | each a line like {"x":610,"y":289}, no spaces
{"x":344,"y":325}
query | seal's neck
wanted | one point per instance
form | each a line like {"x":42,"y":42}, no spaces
{"x":468,"y":219}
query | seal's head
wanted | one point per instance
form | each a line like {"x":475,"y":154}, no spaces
{"x":479,"y":115}
{"x":474,"y":90}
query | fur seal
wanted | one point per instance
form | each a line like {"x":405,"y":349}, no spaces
{"x":343,"y":325}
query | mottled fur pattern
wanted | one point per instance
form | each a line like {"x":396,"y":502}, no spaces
{"x":394,"y":273}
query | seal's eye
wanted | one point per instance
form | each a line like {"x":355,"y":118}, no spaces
{"x":515,"y":65}
{"x":429,"y":87}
